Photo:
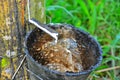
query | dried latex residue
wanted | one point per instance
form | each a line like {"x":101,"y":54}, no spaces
{"x":63,"y":56}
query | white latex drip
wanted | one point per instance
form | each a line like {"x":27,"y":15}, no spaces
{"x":52,"y":34}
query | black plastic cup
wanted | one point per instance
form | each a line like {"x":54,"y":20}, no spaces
{"x":91,"y":58}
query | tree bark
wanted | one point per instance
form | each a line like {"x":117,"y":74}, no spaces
{"x":13,"y":28}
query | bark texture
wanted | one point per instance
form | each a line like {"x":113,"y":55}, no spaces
{"x":13,"y":28}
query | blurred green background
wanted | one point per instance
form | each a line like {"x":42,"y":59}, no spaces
{"x":100,"y":18}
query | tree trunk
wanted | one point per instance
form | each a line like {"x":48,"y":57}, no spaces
{"x":13,"y":28}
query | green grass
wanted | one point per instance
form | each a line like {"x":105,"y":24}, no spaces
{"x":101,"y":18}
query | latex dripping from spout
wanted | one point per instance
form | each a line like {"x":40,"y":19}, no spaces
{"x":41,"y":26}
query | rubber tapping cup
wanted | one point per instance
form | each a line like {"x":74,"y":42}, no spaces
{"x":73,"y":57}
